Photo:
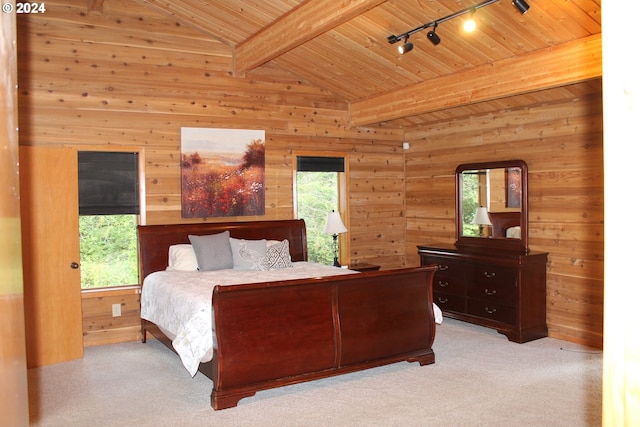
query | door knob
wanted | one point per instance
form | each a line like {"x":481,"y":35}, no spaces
{"x":75,"y":265}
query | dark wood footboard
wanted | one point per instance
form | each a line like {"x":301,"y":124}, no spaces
{"x":280,"y":333}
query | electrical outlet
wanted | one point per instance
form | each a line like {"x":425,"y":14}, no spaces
{"x":116,"y":310}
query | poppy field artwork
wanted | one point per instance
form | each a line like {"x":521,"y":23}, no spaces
{"x":222,"y":172}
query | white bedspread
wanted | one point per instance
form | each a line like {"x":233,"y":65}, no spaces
{"x":179,"y":302}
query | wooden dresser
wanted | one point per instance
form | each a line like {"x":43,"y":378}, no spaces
{"x":502,"y":290}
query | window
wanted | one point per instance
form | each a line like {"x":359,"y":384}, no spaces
{"x":108,"y":251}
{"x":320,"y":188}
{"x":109,"y":211}
{"x":470,"y":197}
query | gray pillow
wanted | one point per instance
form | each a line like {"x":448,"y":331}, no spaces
{"x":247,"y":254}
{"x":213,"y":251}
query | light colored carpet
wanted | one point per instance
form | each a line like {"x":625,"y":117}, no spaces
{"x":479,"y":379}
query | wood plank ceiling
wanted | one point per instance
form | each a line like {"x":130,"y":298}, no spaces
{"x":342,"y":47}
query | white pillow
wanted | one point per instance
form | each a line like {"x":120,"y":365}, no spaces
{"x":514,"y":232}
{"x":182,"y":258}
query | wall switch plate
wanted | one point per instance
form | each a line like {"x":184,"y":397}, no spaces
{"x":116,"y":310}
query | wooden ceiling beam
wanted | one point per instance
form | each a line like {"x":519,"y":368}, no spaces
{"x":572,"y":62}
{"x":306,"y":21}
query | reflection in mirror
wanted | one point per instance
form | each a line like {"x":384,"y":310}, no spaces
{"x":491,"y":201}
{"x":491,"y":205}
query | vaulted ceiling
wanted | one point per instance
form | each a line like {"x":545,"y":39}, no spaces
{"x":342,"y":46}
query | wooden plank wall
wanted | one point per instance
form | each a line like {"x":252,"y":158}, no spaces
{"x":99,"y":326}
{"x":129,"y":77}
{"x":562,"y":145}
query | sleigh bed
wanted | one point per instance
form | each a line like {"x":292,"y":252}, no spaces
{"x":279,"y":332}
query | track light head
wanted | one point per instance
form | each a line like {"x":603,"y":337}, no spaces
{"x":405,"y":47}
{"x":521,"y":5}
{"x":433,"y":37}
{"x":469,"y":25}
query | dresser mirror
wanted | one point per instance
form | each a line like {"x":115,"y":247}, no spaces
{"x":491,"y":205}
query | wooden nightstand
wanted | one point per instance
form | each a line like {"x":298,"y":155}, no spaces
{"x":363,"y":266}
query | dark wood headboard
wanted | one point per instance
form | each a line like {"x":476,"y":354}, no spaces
{"x":154,"y":240}
{"x":500,"y":221}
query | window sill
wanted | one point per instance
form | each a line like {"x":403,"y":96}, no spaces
{"x":113,"y":290}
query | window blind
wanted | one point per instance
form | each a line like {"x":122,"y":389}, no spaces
{"x":320,"y":164}
{"x":108,"y":183}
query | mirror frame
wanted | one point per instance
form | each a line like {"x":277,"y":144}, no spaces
{"x":482,"y":243}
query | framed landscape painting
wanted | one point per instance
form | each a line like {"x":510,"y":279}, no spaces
{"x":222,"y":172}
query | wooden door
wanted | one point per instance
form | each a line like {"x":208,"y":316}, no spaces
{"x":51,"y":254}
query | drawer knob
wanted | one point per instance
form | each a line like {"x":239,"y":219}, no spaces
{"x":489,"y":275}
{"x":490,"y":310}
{"x":490,"y":292}
{"x":443,"y":267}
{"x":442,"y":300}
{"x":443,"y":284}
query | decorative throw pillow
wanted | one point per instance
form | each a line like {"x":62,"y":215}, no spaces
{"x":247,"y":254}
{"x":213,"y":251}
{"x":182,"y":258}
{"x":277,"y":256}
{"x":279,"y":242}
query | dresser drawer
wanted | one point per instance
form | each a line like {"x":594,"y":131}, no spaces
{"x":448,"y":302}
{"x":449,"y":277}
{"x":452,"y":284}
{"x":493,"y":283}
{"x":494,"y":275}
{"x":489,"y":310}
{"x":494,"y":292}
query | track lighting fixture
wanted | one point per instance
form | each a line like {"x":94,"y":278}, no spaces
{"x":433,"y":37}
{"x":406,"y":46}
{"x":521,"y":5}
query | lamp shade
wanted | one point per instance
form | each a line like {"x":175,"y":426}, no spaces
{"x":334,"y":224}
{"x":481,"y":217}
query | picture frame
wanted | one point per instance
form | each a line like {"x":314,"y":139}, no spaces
{"x":513,"y":183}
{"x":222,"y":172}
